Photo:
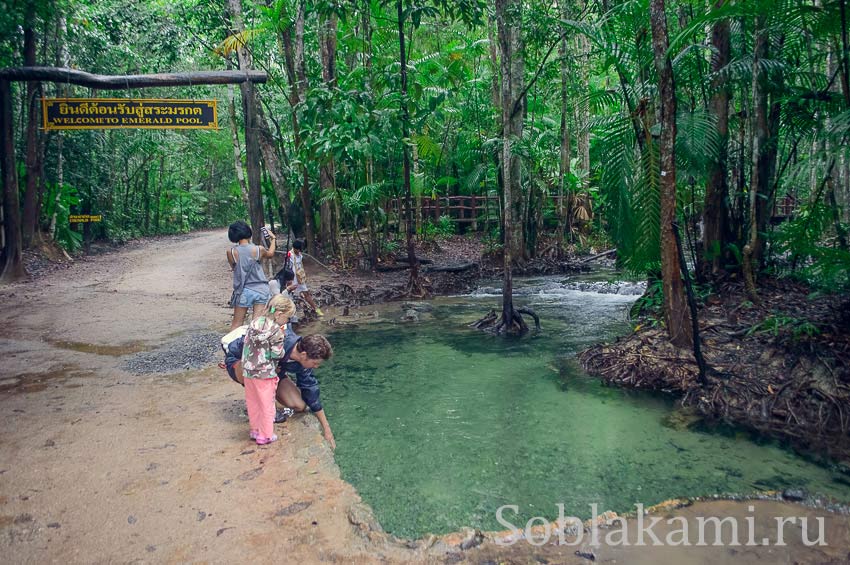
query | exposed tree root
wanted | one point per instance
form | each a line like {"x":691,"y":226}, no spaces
{"x":796,"y":388}
{"x":531,"y":313}
{"x":495,"y":324}
{"x":417,"y":287}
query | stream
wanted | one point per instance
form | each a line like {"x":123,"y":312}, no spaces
{"x":438,"y":425}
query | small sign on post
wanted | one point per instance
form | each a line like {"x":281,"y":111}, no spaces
{"x":125,"y":113}
{"x":84,"y":218}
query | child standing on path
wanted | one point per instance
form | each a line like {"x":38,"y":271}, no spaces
{"x":250,"y":287}
{"x":297,"y":258}
{"x":264,"y":344}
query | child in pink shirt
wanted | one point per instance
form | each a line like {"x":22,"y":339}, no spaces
{"x":263,"y":346}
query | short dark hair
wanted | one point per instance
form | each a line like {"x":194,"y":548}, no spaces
{"x":285,"y":275}
{"x":316,"y":347}
{"x":239,"y":230}
{"x":298,"y":244}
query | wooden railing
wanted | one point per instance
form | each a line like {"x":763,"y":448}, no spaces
{"x":784,"y":207}
{"x":460,"y":209}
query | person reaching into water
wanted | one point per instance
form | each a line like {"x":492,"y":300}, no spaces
{"x":301,"y":357}
{"x":264,"y":343}
{"x":250,"y":287}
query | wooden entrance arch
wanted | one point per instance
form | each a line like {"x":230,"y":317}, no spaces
{"x":11,"y":263}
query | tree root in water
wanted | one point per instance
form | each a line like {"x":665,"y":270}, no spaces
{"x":493,"y":323}
{"x":800,"y":398}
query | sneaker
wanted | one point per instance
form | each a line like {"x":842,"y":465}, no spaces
{"x":283,"y":415}
{"x":253,"y":434}
{"x":319,"y":312}
{"x":266,"y":440}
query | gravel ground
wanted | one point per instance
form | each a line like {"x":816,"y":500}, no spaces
{"x":190,"y":351}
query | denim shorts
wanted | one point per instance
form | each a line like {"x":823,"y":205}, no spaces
{"x":249,"y":298}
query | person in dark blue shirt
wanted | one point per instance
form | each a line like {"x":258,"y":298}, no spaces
{"x":301,"y":357}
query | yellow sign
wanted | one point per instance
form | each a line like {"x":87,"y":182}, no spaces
{"x":125,"y":113}
{"x":84,"y":218}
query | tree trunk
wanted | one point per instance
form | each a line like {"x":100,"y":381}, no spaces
{"x":584,"y":108}
{"x":249,"y":107}
{"x":716,"y":235}
{"x":495,"y":89}
{"x":676,"y":315}
{"x":752,"y":253}
{"x":268,"y":147}
{"x":301,"y":87}
{"x":512,"y":66}
{"x":414,"y":285}
{"x":29,"y":219}
{"x":12,"y":258}
{"x":508,"y":20}
{"x":564,"y":223}
{"x":845,"y":53}
{"x":237,"y":146}
{"x":63,"y":61}
{"x":327,"y":44}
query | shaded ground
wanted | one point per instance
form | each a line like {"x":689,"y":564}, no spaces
{"x":780,"y":367}
{"x":98,"y":464}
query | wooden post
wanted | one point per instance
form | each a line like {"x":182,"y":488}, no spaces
{"x":12,"y":268}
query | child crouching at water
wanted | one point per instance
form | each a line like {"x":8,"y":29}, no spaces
{"x":264,"y":345}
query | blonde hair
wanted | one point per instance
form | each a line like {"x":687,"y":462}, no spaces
{"x":282,"y":304}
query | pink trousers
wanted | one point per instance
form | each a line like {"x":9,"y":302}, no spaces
{"x":259,"y":396}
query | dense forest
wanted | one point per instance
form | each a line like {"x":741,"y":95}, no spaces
{"x":541,"y":127}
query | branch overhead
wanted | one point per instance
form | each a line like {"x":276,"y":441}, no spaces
{"x":119,"y":82}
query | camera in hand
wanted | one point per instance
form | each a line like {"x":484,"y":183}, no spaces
{"x":267,"y":235}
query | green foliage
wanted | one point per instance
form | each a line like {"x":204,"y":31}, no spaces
{"x":389,"y":246}
{"x":151,"y":182}
{"x":69,"y":239}
{"x":650,"y":305}
{"x":777,"y":323}
{"x":799,"y":244}
{"x":444,"y":227}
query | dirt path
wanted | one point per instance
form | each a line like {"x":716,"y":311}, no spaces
{"x":99,"y":465}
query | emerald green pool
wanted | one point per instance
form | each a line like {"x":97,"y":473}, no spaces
{"x":438,"y":425}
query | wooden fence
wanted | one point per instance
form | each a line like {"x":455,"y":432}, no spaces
{"x":460,"y":209}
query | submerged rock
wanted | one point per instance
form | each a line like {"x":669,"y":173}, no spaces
{"x":794,"y":494}
{"x":410,"y":316}
{"x":417,"y":306}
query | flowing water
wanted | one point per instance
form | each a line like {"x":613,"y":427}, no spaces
{"x":438,"y":425}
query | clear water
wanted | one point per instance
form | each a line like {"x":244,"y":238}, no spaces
{"x":438,"y":425}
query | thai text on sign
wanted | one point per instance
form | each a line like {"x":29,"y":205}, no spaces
{"x":103,"y":113}
{"x":84,"y":218}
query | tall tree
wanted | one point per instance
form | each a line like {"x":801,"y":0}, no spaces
{"x":327,"y":48}
{"x":716,"y":235}
{"x":564,"y":210}
{"x":62,"y":60}
{"x":512,"y":66}
{"x":237,"y":145}
{"x":249,"y":108}
{"x":29,"y":219}
{"x":12,"y":267}
{"x":676,"y":314}
{"x":414,"y":284}
{"x":291,"y":35}
{"x":752,"y":252}
{"x":513,"y":109}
